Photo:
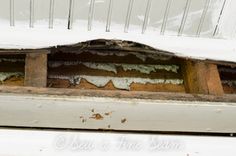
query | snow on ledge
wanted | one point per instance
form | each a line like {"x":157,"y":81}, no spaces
{"x":197,"y":48}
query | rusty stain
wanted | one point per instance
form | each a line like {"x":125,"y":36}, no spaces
{"x":97,"y":116}
{"x":81,"y":117}
{"x":123,"y":120}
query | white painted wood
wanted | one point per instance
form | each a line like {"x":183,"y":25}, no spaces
{"x":40,"y":36}
{"x":227,"y":26}
{"x":175,"y":17}
{"x":81,"y":9}
{"x":137,"y":15}
{"x":22,"y":13}
{"x":193,"y":18}
{"x":41,"y":13}
{"x":119,"y":13}
{"x":20,"y":142}
{"x":123,"y":114}
{"x":4,"y":13}
{"x":100,"y":14}
{"x":61,"y":14}
{"x":212,"y":17}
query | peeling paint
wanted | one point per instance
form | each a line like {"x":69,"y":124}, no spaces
{"x":118,"y":82}
{"x":147,"y":69}
{"x":112,"y":67}
{"x":101,"y":66}
{"x":56,"y":64}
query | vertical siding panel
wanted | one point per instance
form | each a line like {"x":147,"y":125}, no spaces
{"x":211,"y":18}
{"x":156,"y":16}
{"x":81,"y":9}
{"x":193,"y":18}
{"x":137,"y":16}
{"x":4,"y":13}
{"x":61,"y":13}
{"x":100,"y":14}
{"x":41,"y":13}
{"x":22,"y":13}
{"x":119,"y":14}
{"x":175,"y":17}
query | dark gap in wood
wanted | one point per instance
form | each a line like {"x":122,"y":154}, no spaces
{"x":228,"y":78}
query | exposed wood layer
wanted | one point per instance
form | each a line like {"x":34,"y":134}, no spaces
{"x":99,"y":54}
{"x":57,"y":83}
{"x":14,"y":81}
{"x":112,"y":57}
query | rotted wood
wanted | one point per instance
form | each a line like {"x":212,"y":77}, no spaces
{"x":201,"y":78}
{"x":36,"y":69}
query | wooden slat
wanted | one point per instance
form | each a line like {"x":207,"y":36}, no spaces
{"x":202,"y":78}
{"x":36,"y":69}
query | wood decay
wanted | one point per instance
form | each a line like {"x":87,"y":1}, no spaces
{"x":199,"y":77}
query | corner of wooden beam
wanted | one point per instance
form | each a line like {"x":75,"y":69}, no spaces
{"x":36,"y":69}
{"x":201,"y":78}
